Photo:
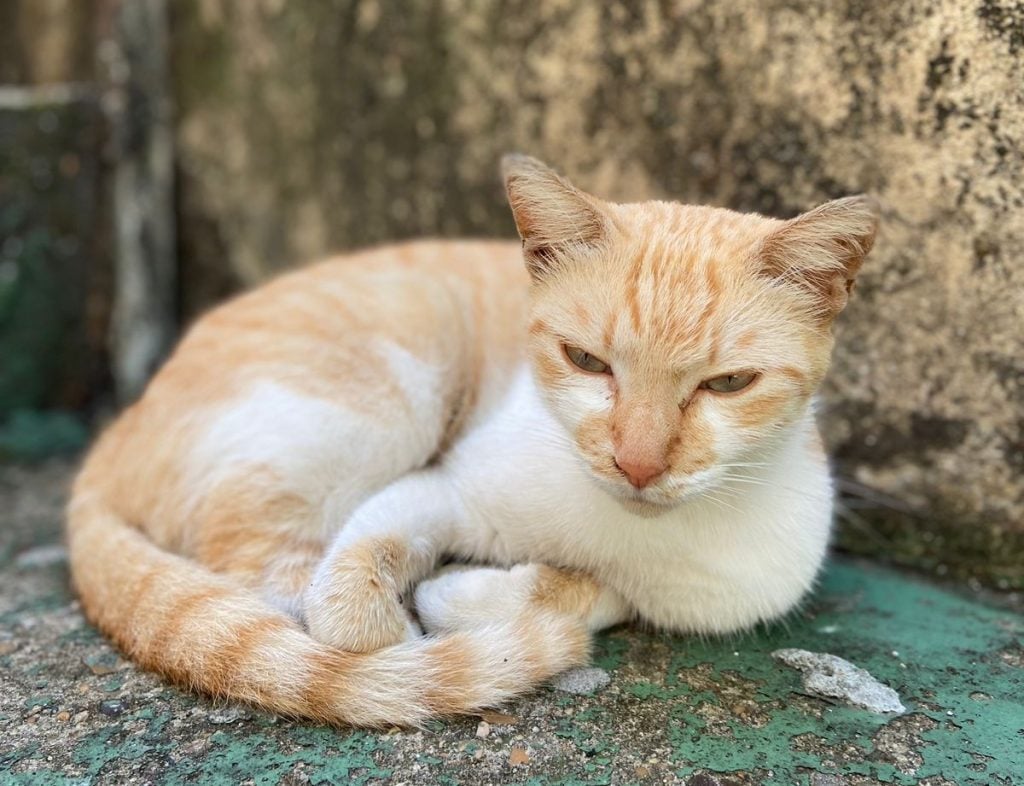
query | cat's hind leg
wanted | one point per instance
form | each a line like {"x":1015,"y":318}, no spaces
{"x":275,"y":477}
{"x":260,"y":531}
{"x":354,"y":600}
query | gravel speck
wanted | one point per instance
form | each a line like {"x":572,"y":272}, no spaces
{"x":112,"y":708}
{"x":820,"y":779}
{"x":226,"y":715}
{"x":581,"y":681}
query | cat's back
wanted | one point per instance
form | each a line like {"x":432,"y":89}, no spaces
{"x":400,"y":332}
{"x":402,"y":277}
{"x":408,"y":296}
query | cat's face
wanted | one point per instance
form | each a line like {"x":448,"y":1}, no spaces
{"x":674,"y":343}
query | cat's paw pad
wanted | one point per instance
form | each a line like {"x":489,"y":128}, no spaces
{"x":355,"y":614}
{"x":467,"y":598}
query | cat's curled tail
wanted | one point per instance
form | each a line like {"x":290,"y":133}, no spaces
{"x":203,"y":630}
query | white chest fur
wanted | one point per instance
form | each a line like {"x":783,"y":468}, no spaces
{"x":720,"y":562}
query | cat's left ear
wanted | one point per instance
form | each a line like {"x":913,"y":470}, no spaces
{"x":553,"y":217}
{"x":822,"y":250}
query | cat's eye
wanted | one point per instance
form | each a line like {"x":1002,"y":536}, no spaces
{"x":729,"y":383}
{"x":585,"y":361}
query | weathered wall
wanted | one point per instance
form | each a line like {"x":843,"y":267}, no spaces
{"x":50,"y":280}
{"x":308,"y":127}
{"x":49,"y":41}
{"x":87,"y":260}
{"x":54,"y":280}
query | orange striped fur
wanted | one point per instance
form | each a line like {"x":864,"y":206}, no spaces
{"x":255,"y":525}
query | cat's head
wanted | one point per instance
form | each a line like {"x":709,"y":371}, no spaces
{"x":673,"y":342}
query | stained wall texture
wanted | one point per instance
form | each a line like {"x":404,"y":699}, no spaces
{"x":304,"y":128}
{"x":54,"y":244}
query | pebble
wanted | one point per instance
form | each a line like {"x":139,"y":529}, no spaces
{"x":582,"y":682}
{"x":821,"y":779}
{"x":829,"y":676}
{"x":227,"y":715}
{"x":101,"y":664}
{"x":483,"y":729}
{"x":41,"y":557}
{"x":112,"y":707}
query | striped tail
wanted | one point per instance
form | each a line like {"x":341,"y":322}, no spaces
{"x":202,"y":630}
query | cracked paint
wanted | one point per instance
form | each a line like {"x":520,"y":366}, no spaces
{"x":677,"y":710}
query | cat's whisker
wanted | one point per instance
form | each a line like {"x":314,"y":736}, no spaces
{"x":862,"y":525}
{"x":761,"y":482}
{"x":716,"y":500}
{"x":852,"y":488}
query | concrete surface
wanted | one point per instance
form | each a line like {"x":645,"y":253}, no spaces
{"x":675,"y":711}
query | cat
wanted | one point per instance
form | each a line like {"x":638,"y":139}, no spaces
{"x":621,"y":428}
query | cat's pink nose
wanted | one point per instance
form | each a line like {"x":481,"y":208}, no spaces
{"x":640,"y":473}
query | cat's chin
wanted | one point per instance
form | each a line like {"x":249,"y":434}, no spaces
{"x":642,"y":505}
{"x":644,"y":508}
{"x":646,"y":504}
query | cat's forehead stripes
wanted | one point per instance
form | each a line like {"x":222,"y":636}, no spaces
{"x":685,"y":312}
{"x":680,"y":277}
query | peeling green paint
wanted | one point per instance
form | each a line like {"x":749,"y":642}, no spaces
{"x":676,"y":706}
{"x":936,"y":649}
{"x":329,"y":756}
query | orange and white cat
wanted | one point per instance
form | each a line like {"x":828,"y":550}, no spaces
{"x":624,"y":425}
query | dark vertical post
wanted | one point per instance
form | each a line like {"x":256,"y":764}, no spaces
{"x":138,"y":103}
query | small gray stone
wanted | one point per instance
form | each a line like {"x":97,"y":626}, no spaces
{"x":112,"y":708}
{"x":830,"y":677}
{"x":818,"y":779}
{"x":42,"y":557}
{"x":225,"y":715}
{"x":581,"y":681}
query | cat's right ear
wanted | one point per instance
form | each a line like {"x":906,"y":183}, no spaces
{"x":821,"y":251}
{"x":553,"y":217}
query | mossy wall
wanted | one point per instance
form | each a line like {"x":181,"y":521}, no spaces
{"x":54,"y":245}
{"x":49,"y":207}
{"x":309,"y":127}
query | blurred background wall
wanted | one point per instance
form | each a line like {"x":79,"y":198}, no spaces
{"x":54,"y":264}
{"x":193,"y":147}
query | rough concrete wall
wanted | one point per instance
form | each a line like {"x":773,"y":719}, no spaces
{"x":48,"y":41}
{"x":137,"y":99}
{"x":54,"y":281}
{"x":308,"y":127}
{"x":107,"y":60}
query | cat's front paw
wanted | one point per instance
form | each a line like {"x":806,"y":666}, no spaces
{"x":466,"y":598}
{"x":356,"y":613}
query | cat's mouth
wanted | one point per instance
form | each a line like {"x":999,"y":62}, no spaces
{"x":648,"y":503}
{"x":639,"y":505}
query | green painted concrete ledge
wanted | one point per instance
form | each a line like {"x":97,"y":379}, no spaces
{"x":677,"y":710}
